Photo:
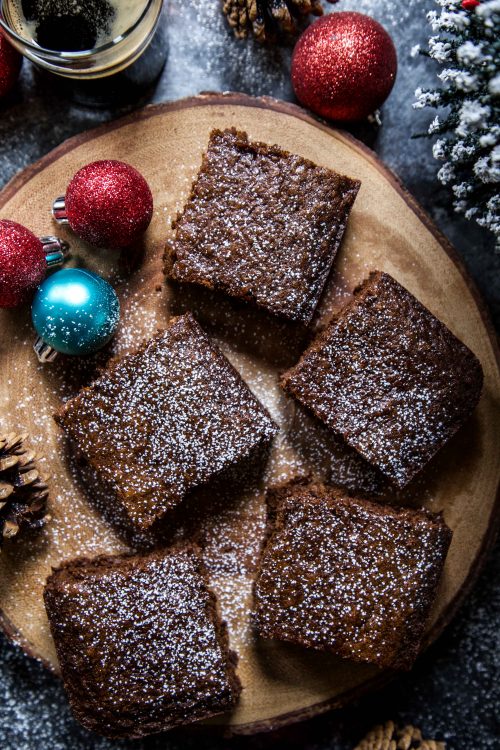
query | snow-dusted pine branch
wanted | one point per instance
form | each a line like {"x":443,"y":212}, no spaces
{"x":466,"y":44}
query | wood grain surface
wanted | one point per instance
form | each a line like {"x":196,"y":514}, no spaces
{"x":387,"y":231}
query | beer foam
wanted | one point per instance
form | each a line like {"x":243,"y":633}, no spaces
{"x":127,"y":13}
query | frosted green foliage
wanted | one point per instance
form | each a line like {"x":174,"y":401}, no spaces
{"x":466,"y":45}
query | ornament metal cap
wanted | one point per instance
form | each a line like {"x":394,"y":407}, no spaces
{"x":55,"y":250}
{"x":59,"y":210}
{"x":44,"y":351}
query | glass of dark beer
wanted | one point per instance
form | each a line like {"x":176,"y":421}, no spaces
{"x":103,"y":51}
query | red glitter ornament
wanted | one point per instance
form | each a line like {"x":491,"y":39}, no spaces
{"x":22,"y":263}
{"x":108,"y":203}
{"x":344,"y":66}
{"x":470,"y":4}
{"x":10,"y":65}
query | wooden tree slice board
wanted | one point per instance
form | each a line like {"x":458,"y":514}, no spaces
{"x":387,"y":231}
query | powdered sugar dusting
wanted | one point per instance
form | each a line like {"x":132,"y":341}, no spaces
{"x":345,"y":575}
{"x":139,"y":636}
{"x":261,"y":225}
{"x":389,"y":378}
{"x":165,"y":420}
{"x":73,"y":527}
{"x":234,"y":596}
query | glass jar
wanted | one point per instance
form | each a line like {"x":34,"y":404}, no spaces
{"x":118,"y":71}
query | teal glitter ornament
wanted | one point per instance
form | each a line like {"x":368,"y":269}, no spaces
{"x":74,"y":312}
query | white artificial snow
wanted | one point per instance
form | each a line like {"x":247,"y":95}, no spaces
{"x":466,"y":43}
{"x":469,"y":52}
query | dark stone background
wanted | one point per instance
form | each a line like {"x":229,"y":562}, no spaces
{"x":453,"y":693}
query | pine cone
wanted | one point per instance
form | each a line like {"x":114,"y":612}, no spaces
{"x":23,"y":491}
{"x":390,"y":737}
{"x":268,"y":18}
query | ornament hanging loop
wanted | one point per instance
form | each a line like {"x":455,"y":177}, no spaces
{"x":59,"y":210}
{"x":55,"y":250}
{"x":44,"y":351}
